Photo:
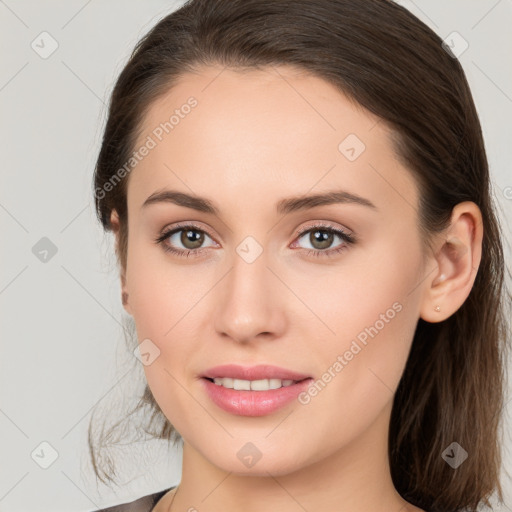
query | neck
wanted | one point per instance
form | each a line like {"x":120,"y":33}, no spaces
{"x":356,"y":478}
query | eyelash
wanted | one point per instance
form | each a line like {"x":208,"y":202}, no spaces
{"x":185,"y":253}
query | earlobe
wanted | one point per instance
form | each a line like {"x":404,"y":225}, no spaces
{"x":125,"y":296}
{"x":114,"y":222}
{"x":115,"y":226}
{"x":457,"y":261}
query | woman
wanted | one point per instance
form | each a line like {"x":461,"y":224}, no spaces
{"x":308,"y":248}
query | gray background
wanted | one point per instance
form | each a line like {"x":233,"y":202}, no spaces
{"x":62,"y":342}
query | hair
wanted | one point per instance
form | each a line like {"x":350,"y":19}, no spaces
{"x":388,"y":61}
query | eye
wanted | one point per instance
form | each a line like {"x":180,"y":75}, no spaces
{"x":321,"y":237}
{"x":191,"y":237}
{"x":188,"y":235}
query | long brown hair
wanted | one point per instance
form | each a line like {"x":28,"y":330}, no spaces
{"x":380,"y":55}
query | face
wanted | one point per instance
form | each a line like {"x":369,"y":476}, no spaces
{"x":328,"y":289}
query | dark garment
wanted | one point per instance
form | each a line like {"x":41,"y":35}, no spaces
{"x":144,"y":504}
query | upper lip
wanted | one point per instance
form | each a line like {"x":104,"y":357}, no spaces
{"x":259,"y":372}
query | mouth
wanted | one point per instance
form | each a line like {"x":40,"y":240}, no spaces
{"x":253,"y":385}
{"x":253,"y":390}
{"x":256,"y":373}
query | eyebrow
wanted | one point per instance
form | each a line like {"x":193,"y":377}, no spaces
{"x":284,"y":206}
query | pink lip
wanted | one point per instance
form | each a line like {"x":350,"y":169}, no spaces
{"x":253,"y":403}
{"x":262,"y":371}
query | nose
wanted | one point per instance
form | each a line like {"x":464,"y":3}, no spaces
{"x":251,"y":302}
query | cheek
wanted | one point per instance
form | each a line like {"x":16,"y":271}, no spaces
{"x":373,"y":310}
{"x":361,"y":373}
{"x":166,"y":300}
{"x":166,"y":305}
{"x":367,"y":287}
{"x":160,"y":291}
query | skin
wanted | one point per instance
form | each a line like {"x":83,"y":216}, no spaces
{"x":253,"y":139}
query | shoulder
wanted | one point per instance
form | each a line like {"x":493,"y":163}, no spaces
{"x":143,"y":504}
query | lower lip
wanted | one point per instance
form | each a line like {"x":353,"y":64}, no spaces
{"x":253,"y":403}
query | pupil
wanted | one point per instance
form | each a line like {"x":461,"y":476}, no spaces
{"x":324,"y":238}
{"x":191,"y":236}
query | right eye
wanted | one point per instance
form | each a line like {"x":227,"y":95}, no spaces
{"x":190,"y":236}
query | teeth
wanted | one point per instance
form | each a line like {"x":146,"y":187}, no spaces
{"x":252,"y":385}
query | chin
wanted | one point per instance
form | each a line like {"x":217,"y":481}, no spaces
{"x":245,"y":458}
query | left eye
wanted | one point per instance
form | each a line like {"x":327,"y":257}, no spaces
{"x":322,"y":237}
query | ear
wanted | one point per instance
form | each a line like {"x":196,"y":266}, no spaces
{"x":115,"y":223}
{"x":456,"y":261}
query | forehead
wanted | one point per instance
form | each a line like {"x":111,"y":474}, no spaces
{"x":277,"y":129}
{"x":260,"y":98}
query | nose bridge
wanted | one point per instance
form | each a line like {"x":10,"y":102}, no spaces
{"x":249,"y":302}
